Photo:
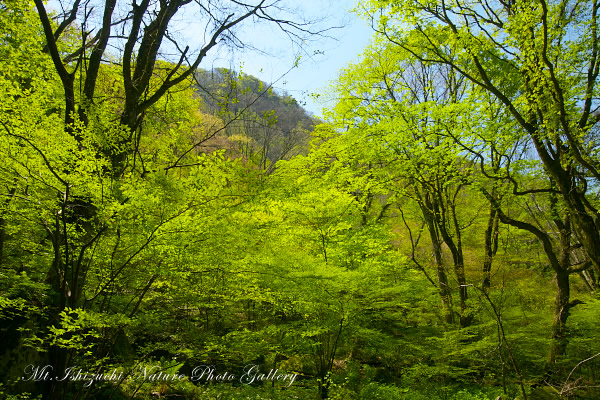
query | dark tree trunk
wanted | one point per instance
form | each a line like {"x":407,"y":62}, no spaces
{"x":436,"y":244}
{"x":562,"y":303}
{"x":444,"y":213}
{"x":491,"y":247}
{"x":561,"y":313}
{"x":560,"y":264}
{"x":9,"y":198}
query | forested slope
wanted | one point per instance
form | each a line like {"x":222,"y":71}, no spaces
{"x":260,"y":124}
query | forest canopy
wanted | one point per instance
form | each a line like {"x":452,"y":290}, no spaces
{"x":172,"y":230}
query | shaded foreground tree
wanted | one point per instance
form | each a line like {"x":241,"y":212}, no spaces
{"x":146,"y":29}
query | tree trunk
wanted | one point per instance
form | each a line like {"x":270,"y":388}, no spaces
{"x":444,"y":213}
{"x":459,"y":266}
{"x":560,"y":265}
{"x":436,"y":244}
{"x":491,"y":247}
{"x":562,"y":302}
{"x":583,"y":221}
{"x":561,"y":313}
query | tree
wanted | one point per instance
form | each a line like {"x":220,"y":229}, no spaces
{"x":424,"y":132}
{"x":145,"y":27}
{"x":343,"y":281}
{"x":529,"y":56}
{"x":407,"y":113}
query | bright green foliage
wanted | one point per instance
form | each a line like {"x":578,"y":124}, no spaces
{"x":387,"y":262}
{"x":411,"y":126}
{"x":538,"y":60}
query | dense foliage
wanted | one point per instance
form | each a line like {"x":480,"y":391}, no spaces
{"x":172,"y":232}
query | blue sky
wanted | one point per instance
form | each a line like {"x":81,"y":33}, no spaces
{"x":314,"y":71}
{"x":321,"y":61}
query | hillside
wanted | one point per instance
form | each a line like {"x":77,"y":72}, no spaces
{"x":259,"y":124}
